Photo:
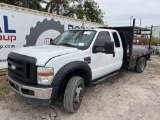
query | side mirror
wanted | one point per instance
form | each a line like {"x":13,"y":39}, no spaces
{"x":109,"y":47}
{"x":51,"y":41}
{"x":98,"y":49}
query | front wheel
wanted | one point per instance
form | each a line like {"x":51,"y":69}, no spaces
{"x":73,"y":94}
{"x":141,"y":64}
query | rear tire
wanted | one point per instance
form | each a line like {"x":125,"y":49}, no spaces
{"x":141,"y":64}
{"x":73,"y":94}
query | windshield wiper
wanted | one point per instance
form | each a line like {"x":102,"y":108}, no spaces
{"x":66,"y":44}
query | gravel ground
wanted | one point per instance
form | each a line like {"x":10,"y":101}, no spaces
{"x":127,"y":96}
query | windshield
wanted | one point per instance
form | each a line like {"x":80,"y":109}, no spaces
{"x":75,"y":38}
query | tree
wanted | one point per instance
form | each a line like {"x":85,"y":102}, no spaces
{"x":62,"y":7}
{"x":93,"y":12}
{"x":81,"y":9}
{"x":80,"y":12}
{"x":87,"y":10}
{"x":90,"y":11}
{"x":32,"y":4}
{"x":154,"y":41}
{"x":12,"y":2}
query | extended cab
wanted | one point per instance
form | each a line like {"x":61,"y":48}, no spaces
{"x":74,"y":60}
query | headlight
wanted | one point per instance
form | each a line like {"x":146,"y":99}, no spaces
{"x":44,"y":75}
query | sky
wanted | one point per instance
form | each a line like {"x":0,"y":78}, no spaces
{"x":119,"y":12}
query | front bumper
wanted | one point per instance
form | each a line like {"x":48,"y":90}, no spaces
{"x":35,"y":92}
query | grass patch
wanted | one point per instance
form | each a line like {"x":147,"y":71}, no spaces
{"x":2,"y":79}
{"x":4,"y":88}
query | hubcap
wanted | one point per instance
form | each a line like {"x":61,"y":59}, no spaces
{"x":79,"y":94}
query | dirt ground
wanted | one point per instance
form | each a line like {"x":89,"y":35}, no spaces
{"x":127,"y":96}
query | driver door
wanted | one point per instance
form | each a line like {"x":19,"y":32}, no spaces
{"x":100,"y":64}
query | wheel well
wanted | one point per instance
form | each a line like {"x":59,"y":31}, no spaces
{"x":77,"y":72}
{"x":145,"y":56}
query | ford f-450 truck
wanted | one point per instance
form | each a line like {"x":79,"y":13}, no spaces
{"x":74,"y":60}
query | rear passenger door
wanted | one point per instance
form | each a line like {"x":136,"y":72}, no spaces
{"x":116,"y":60}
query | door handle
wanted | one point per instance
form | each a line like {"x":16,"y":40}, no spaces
{"x":87,"y":60}
{"x":114,"y":54}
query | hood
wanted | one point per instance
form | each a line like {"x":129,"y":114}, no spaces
{"x":45,"y":52}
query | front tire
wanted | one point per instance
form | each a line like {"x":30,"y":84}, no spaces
{"x":73,"y":94}
{"x":141,"y":64}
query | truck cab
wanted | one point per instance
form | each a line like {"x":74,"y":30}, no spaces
{"x":72,"y":61}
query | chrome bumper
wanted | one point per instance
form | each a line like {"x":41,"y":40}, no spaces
{"x":37,"y":93}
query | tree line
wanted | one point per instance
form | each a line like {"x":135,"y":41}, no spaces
{"x":155,"y":41}
{"x":81,"y":9}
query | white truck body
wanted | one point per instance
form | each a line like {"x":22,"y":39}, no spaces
{"x":101,"y":64}
{"x":73,"y":60}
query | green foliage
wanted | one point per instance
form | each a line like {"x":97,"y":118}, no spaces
{"x":32,"y":4}
{"x":12,"y":2}
{"x":155,"y":40}
{"x":82,"y":9}
{"x":87,"y":10}
{"x":62,"y":7}
{"x":80,"y":12}
{"x":93,"y":12}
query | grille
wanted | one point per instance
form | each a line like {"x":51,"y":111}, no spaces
{"x":24,"y":69}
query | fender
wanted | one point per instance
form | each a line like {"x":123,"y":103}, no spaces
{"x":70,"y":67}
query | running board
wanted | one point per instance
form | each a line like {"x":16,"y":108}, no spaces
{"x":104,"y":78}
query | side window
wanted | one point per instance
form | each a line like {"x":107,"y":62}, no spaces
{"x":116,"y":39}
{"x":102,"y":37}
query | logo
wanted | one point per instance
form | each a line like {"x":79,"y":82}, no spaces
{"x":7,"y":34}
{"x":13,"y":67}
{"x":43,"y":31}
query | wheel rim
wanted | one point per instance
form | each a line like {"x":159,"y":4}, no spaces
{"x":78,"y":95}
